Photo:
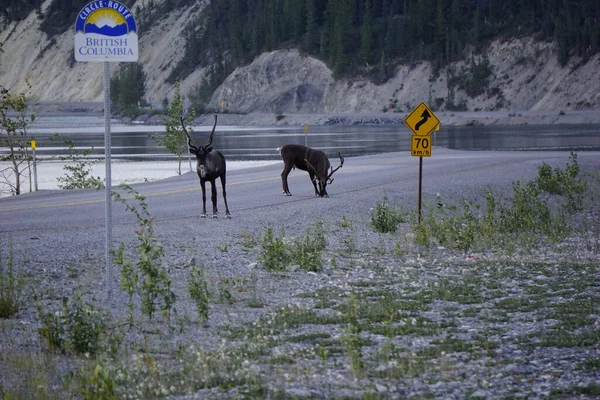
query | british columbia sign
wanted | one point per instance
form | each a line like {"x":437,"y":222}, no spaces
{"x":105,"y":31}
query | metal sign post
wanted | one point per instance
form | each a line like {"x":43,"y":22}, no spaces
{"x":108,"y":181}
{"x":106,"y":31}
{"x":35,"y":180}
{"x":306,"y":135}
{"x":422,"y":121}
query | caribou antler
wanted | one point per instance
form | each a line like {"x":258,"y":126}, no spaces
{"x":308,"y":164}
{"x":209,"y":141}
{"x":190,"y":145}
{"x":333,"y":170}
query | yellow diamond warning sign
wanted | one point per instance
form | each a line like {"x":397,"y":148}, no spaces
{"x":422,"y":120}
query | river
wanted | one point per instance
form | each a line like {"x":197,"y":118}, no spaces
{"x":134,"y":142}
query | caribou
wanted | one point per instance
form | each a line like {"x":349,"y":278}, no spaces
{"x":315,"y":162}
{"x":210,"y":166}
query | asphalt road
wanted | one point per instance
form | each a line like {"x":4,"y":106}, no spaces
{"x":253,"y":192}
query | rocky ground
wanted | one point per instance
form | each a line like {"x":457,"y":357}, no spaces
{"x":383,"y":318}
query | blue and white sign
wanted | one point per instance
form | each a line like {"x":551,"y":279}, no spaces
{"x":105,"y":31}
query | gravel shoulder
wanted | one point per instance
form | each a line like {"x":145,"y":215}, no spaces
{"x":384,"y":318}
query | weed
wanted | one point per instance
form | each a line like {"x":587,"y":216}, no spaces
{"x":279,"y":254}
{"x":223,"y":249}
{"x":148,"y":278}
{"x":11,"y":287}
{"x":565,"y":182}
{"x":385,"y":218}
{"x":306,"y":252}
{"x":198,"y":290}
{"x":275,"y":256}
{"x":255,"y":301}
{"x":224,"y":291}
{"x":346,"y":223}
{"x":78,"y":327}
{"x":524,"y":219}
{"x":351,"y":337}
{"x":422,"y":234}
{"x":52,"y":329}
{"x":248,"y":240}
{"x":28,"y":375}
{"x":592,"y":389}
{"x":349,"y":246}
{"x":451,"y":227}
{"x":321,"y":352}
{"x":589,"y":365}
{"x":97,"y":382}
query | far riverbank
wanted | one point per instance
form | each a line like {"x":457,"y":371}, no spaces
{"x":463,"y":118}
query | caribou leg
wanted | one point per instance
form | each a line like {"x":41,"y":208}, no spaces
{"x":284,"y":176}
{"x":203,"y":186}
{"x":314,"y":182}
{"x":213,"y":197}
{"x":225,"y":196}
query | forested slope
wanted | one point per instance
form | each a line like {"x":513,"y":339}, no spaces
{"x":460,"y":47}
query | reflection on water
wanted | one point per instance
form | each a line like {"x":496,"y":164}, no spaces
{"x":532,"y":137}
{"x":256,"y":143}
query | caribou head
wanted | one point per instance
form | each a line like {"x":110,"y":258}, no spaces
{"x":202,"y":152}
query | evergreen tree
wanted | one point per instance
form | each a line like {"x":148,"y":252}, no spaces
{"x":440,"y":34}
{"x":366,"y":35}
{"x":128,"y":89}
{"x":347,"y":34}
{"x":312,"y":35}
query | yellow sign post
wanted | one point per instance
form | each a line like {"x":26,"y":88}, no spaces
{"x":306,"y":135}
{"x":422,"y":120}
{"x":35,"y":181}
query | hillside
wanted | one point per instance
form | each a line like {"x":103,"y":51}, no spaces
{"x":524,"y":76}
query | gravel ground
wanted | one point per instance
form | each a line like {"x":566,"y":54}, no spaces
{"x":426,"y":323}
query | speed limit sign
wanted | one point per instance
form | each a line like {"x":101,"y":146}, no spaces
{"x":420,"y":146}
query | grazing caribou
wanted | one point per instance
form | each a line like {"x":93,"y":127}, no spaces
{"x":210,"y":166}
{"x":315,"y":162}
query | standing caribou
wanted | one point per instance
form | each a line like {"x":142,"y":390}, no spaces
{"x":315,"y":162}
{"x":210,"y":166}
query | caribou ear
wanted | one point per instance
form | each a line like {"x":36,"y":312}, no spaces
{"x":208,"y":149}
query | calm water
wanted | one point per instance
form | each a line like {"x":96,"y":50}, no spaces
{"x":260,"y":143}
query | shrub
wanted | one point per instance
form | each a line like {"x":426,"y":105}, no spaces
{"x":278,"y":254}
{"x":96,"y":381}
{"x":526,"y":217}
{"x":198,"y":290}
{"x":78,"y":170}
{"x":148,"y":277}
{"x":78,"y":327}
{"x":567,"y":182}
{"x":385,"y":218}
{"x":275,"y":255}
